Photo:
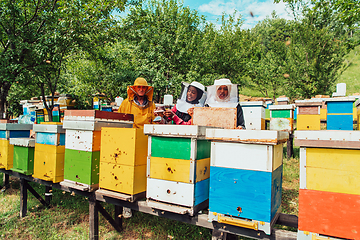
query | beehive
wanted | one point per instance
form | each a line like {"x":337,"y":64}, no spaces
{"x":246,"y":177}
{"x":308,"y":114}
{"x":82,"y":148}
{"x":123,"y":160}
{"x":23,"y":161}
{"x":340,"y":113}
{"x":282,"y":117}
{"x":254,"y":115}
{"x":177,"y":168}
{"x":7,"y":131}
{"x":282,"y":101}
{"x":329,"y":196}
{"x":49,"y":151}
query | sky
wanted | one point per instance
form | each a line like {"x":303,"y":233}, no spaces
{"x":213,"y":9}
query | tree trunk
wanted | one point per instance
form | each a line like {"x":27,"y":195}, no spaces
{"x":3,"y":95}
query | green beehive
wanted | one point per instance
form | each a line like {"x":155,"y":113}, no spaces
{"x":23,"y":160}
{"x":82,"y":166}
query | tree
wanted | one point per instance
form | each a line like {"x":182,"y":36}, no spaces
{"x":36,"y":38}
{"x":165,"y":35}
{"x":267,"y":67}
{"x":315,"y":59}
{"x":108,"y":70}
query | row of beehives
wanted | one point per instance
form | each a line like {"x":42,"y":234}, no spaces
{"x":184,"y":168}
{"x":181,"y":168}
{"x":339,"y":114}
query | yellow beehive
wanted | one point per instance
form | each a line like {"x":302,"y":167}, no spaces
{"x":6,"y":154}
{"x":178,"y":170}
{"x":49,"y":162}
{"x":123,"y":157}
{"x":341,"y":164}
{"x":308,"y":122}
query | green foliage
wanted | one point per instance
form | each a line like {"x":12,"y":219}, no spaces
{"x":165,"y":36}
{"x":268,"y":65}
{"x":36,"y":38}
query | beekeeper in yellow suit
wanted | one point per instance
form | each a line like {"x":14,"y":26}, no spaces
{"x":139,"y":103}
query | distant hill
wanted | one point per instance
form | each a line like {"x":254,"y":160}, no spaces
{"x":351,"y":76}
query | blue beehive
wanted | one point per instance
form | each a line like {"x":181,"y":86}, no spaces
{"x":246,"y":177}
{"x":340,"y":113}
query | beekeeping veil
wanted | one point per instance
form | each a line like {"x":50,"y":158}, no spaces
{"x":182,"y":105}
{"x":231,"y":100}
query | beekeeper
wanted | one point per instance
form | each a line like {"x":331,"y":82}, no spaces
{"x":139,"y":103}
{"x":225,"y":94}
{"x":192,"y":95}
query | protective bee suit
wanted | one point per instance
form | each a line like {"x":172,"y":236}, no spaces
{"x":143,"y":114}
{"x":183,"y":104}
{"x":225,"y":94}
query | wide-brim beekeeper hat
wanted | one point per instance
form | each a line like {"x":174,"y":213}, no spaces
{"x":140,"y":82}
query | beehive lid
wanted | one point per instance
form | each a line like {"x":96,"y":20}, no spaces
{"x":92,"y":115}
{"x":282,"y":107}
{"x":248,"y":136}
{"x":328,"y":139}
{"x":357,"y":103}
{"x":340,"y":99}
{"x":95,"y":125}
{"x":187,"y":131}
{"x":282,"y":99}
{"x":308,"y":102}
{"x":49,"y":128}
{"x":24,"y":142}
{"x":253,"y":104}
{"x":15,"y":126}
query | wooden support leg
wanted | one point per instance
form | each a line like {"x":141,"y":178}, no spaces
{"x":23,"y":197}
{"x":290,"y":147}
{"x":36,"y":195}
{"x":48,"y":194}
{"x":93,"y":219}
{"x":118,"y":216}
{"x":217,"y":235}
{"x":108,"y":217}
{"x":6,"y":182}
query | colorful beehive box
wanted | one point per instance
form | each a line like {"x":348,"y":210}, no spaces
{"x":246,"y":177}
{"x":82,"y":148}
{"x":23,"y":161}
{"x":329,"y":195}
{"x":49,"y":151}
{"x":357,"y":103}
{"x":254,"y":115}
{"x":123,"y":160}
{"x":308,"y":114}
{"x":267,"y":110}
{"x":340,"y":113}
{"x":282,"y":101}
{"x":7,"y":131}
{"x":282,"y":117}
{"x":178,"y":168}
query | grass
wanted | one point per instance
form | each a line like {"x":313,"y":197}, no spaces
{"x":67,"y":218}
{"x":351,"y":75}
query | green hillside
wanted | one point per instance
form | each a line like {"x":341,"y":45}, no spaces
{"x":351,"y":76}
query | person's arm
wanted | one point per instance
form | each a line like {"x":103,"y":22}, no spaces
{"x":177,"y":120}
{"x":240,"y":117}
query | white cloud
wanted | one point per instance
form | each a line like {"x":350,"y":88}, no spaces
{"x":259,"y":10}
